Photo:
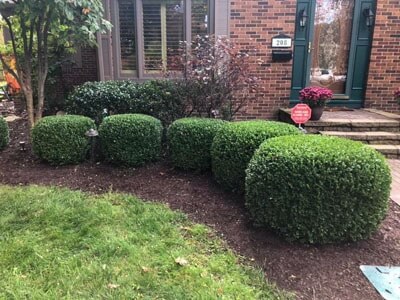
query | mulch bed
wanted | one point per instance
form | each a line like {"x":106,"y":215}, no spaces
{"x":312,"y":272}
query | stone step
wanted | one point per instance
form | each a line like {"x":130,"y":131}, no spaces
{"x":390,"y":151}
{"x":368,"y":137}
{"x":331,"y":122}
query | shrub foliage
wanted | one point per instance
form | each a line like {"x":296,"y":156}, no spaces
{"x":220,"y":73}
{"x":234,"y":145}
{"x":190,"y":141}
{"x":61,"y":140}
{"x":4,"y":134}
{"x":161,"y":99}
{"x":318,"y":189}
{"x":131,"y":139}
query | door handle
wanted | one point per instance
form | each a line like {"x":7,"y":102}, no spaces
{"x":309,"y":47}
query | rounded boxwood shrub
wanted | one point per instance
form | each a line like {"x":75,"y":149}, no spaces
{"x":190,"y":141}
{"x":234,"y":145}
{"x":61,"y":140}
{"x":4,"y":134}
{"x":131,"y":139}
{"x":318,"y":189}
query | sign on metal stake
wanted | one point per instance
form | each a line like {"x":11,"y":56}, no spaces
{"x":300,"y":114}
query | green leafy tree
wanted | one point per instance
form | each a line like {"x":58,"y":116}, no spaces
{"x":32,"y":25}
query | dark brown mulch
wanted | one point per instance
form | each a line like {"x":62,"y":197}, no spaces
{"x":312,"y":272}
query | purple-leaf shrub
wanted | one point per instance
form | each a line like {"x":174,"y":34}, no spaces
{"x":218,"y":76}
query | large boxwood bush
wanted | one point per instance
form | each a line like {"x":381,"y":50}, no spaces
{"x":92,"y":98}
{"x":131,"y":139}
{"x":161,"y":99}
{"x":234,"y":145}
{"x":61,"y":140}
{"x":190,"y":140}
{"x":318,"y":189}
{"x":4,"y":134}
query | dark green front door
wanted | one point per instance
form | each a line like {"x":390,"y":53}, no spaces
{"x":332,"y":46}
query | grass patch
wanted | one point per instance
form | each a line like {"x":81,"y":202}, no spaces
{"x":60,"y":244}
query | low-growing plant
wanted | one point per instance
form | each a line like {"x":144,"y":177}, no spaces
{"x":317,"y":189}
{"x":4,"y":134}
{"x":61,"y":140}
{"x":131,"y":139}
{"x":161,"y":99}
{"x":234,"y":145}
{"x":190,"y":140}
{"x":119,"y":247}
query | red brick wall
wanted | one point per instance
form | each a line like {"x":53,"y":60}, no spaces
{"x":84,"y":69}
{"x":253,"y":24}
{"x":384,"y":70}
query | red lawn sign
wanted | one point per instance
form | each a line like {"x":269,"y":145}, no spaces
{"x":301,"y":113}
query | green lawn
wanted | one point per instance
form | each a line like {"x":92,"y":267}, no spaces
{"x":60,"y":244}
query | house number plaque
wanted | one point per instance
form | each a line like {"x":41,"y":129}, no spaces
{"x":281,"y":41}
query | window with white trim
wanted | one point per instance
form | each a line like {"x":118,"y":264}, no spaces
{"x":147,"y":33}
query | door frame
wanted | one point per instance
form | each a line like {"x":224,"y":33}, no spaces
{"x":359,"y":54}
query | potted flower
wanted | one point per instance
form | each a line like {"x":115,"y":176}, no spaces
{"x":397,"y":95}
{"x":315,"y":97}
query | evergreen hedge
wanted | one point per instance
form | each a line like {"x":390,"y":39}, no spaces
{"x":190,"y":141}
{"x":131,"y":139}
{"x":317,"y":189}
{"x":61,"y":140}
{"x":4,"y":134}
{"x":234,"y":145}
{"x":158,"y":98}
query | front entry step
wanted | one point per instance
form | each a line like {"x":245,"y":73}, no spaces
{"x":387,"y":143}
{"x":361,"y":120}
{"x":380,"y":130}
{"x":390,"y":151}
{"x":368,"y":137}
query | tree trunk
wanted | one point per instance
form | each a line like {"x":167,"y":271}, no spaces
{"x":29,"y":105}
{"x":40,"y":104}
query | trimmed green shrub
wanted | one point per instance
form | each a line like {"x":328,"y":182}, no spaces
{"x":92,"y":98}
{"x":161,"y":99}
{"x":61,"y":140}
{"x":234,"y":145}
{"x":4,"y":134}
{"x":318,"y":189}
{"x":190,"y":140}
{"x":131,"y":139}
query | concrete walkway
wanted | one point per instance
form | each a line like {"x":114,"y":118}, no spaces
{"x":395,"y":167}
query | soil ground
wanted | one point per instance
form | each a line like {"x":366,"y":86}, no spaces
{"x":312,"y":272}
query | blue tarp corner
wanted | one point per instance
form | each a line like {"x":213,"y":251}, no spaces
{"x":386,"y":280}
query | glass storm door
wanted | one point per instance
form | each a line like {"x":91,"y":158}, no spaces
{"x":332,"y":48}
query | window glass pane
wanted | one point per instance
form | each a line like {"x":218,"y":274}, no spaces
{"x":163,"y":29}
{"x":127,"y":29}
{"x":331,"y":44}
{"x":199,"y":17}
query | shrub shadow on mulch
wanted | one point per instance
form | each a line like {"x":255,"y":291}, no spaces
{"x":312,"y":272}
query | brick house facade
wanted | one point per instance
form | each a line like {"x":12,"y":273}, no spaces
{"x":374,"y":62}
